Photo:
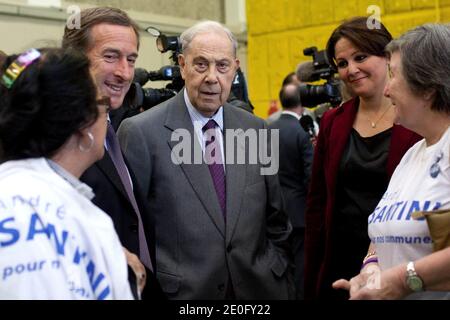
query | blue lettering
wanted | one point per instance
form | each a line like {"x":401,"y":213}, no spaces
{"x":389,"y":213}
{"x":94,"y":281}
{"x":19,"y":199}
{"x":415,"y":206}
{"x":78,"y":256}
{"x":47,"y":206}
{"x":427,"y":240}
{"x":14,"y":233}
{"x":33,"y":230}
{"x":401,"y":212}
{"x":437,"y":206}
{"x":426,"y":205}
{"x":37,"y":226}
{"x":372,"y":216}
{"x":97,"y":281}
{"x":34,"y":202}
{"x":56,"y":264}
{"x":397,"y":205}
{"x":59,"y":245}
{"x":380,"y":215}
{"x":417,"y":240}
{"x":104,"y":294}
{"x":61,"y":212}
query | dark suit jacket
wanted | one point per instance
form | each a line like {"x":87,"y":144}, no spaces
{"x":335,"y":129}
{"x":296,"y":155}
{"x":197,"y":250}
{"x":111,"y":197}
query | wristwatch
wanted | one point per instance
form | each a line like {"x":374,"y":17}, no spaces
{"x":413,"y":281}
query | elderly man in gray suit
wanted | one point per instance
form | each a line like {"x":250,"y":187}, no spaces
{"x":221,"y":232}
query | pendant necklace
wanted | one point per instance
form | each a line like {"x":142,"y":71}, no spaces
{"x":374,"y":124}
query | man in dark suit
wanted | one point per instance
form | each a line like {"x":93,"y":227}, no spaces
{"x":222,"y":232}
{"x":296,"y":155}
{"x":110,"y":39}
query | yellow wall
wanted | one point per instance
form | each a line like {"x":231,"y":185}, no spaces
{"x":278,"y":31}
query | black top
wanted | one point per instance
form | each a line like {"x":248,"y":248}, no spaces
{"x":362,"y":181}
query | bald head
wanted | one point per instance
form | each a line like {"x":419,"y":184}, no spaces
{"x":290,"y":96}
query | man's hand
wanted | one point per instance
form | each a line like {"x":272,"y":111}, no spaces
{"x":138,"y":269}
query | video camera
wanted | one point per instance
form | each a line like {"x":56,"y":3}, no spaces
{"x":146,"y":98}
{"x":319,"y":68}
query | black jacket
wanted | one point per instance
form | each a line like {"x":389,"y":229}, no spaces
{"x":111,"y":197}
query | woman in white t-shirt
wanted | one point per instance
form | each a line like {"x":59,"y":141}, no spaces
{"x":400,"y":262}
{"x":54,"y":243}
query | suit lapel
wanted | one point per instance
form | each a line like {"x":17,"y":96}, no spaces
{"x":235,"y":173}
{"x":107,"y":166}
{"x":197,"y":174}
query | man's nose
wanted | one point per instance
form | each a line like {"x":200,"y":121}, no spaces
{"x":211,"y":74}
{"x":124,"y":69}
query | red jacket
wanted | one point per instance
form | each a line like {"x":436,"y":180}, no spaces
{"x":335,"y":129}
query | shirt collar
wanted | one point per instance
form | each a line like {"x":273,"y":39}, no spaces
{"x":200,"y":120}
{"x":81,"y":187}
{"x":291,"y":113}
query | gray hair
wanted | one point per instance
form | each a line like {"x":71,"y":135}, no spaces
{"x":425,"y":52}
{"x":206,"y":27}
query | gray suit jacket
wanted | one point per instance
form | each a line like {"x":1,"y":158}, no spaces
{"x":196,"y":250}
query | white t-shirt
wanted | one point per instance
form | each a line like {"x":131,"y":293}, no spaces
{"x":54,"y":243}
{"x":421,"y":182}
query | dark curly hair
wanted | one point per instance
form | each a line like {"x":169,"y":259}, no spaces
{"x":52,"y":98}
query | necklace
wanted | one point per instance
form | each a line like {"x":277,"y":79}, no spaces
{"x":374,"y":124}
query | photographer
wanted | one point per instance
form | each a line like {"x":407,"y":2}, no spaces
{"x":358,"y":143}
{"x":238,"y":95}
{"x":294,"y":79}
{"x":304,"y":71}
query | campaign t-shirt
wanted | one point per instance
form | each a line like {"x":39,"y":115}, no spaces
{"x":54,"y":243}
{"x":421,"y":182}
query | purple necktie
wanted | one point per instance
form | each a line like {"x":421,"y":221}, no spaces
{"x":116,"y":155}
{"x":215,"y":163}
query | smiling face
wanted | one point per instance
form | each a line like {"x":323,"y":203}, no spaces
{"x":208,"y":67}
{"x":364,"y":74}
{"x":409,"y":105}
{"x":113,"y":56}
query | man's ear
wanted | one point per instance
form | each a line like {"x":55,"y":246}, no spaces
{"x":429,"y":94}
{"x":238,"y":63}
{"x":182,"y":63}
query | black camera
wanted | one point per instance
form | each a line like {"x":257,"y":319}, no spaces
{"x":146,"y":98}
{"x":319,"y":68}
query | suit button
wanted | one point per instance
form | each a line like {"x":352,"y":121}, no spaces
{"x":134,"y":228}
{"x":221,"y":287}
{"x":229,"y":248}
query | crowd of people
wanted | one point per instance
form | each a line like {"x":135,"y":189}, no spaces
{"x":176,"y":205}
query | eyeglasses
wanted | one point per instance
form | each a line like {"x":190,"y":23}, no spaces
{"x":104,"y":103}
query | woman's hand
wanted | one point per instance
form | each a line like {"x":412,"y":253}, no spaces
{"x":372,"y":284}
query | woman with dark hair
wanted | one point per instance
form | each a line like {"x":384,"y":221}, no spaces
{"x":402,"y":262}
{"x":54,"y":243}
{"x":358,"y":148}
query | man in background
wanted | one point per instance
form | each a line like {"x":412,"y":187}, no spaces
{"x":296,"y":155}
